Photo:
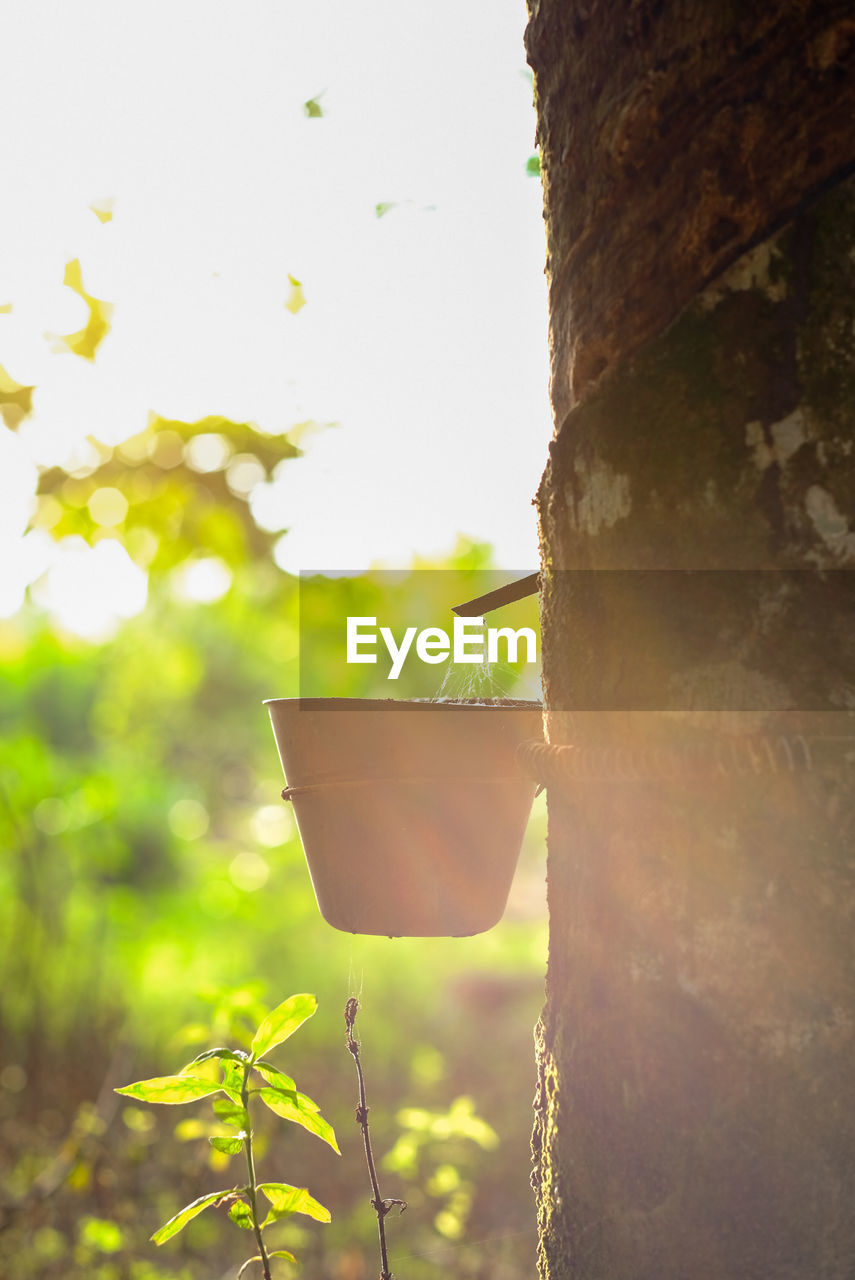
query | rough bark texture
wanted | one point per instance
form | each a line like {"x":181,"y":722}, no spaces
{"x":695,"y":1109}
{"x":673,"y":135}
{"x":695,"y":1112}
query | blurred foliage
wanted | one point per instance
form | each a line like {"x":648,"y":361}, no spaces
{"x":174,"y":491}
{"x":86,"y":341}
{"x":153,"y":892}
{"x":16,"y":401}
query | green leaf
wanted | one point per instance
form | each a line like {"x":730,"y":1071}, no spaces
{"x":383,"y":207}
{"x":232,"y":1055}
{"x":229,"y":1146}
{"x":308,"y":1116}
{"x":277,"y":1078}
{"x":233,"y":1074}
{"x":231,"y":1113}
{"x":173,"y":1089}
{"x":281,"y":1023}
{"x":190,"y":1211}
{"x":532,"y":166}
{"x":285,"y":1200}
{"x":312,"y":107}
{"x":241,"y":1214}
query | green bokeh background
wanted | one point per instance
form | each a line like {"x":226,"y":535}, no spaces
{"x":153,"y":894}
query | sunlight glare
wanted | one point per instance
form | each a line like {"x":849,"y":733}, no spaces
{"x":202,"y":580}
{"x":18,"y":484}
{"x":88,"y":590}
{"x":22,"y":561}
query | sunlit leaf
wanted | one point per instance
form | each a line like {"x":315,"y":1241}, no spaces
{"x":282,"y":1022}
{"x":188,"y":1213}
{"x":229,"y":1146}
{"x":241,"y":1214}
{"x":296,"y":299}
{"x":231,"y":1113}
{"x":532,"y":166}
{"x":85,"y":342}
{"x":233,"y":1076}
{"x":286,"y":1200}
{"x":277,"y":1078}
{"x":232,"y":1055}
{"x":306,"y":1104}
{"x":308,"y":1117}
{"x":172,"y":1089}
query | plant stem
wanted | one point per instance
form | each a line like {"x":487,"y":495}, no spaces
{"x":251,"y":1186}
{"x":380,"y":1206}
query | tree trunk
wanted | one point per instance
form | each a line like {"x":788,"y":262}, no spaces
{"x":695,"y":1112}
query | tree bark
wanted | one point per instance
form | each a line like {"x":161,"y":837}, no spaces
{"x":674,"y":134}
{"x":695,"y":1110}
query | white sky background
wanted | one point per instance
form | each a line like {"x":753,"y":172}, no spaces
{"x":424,"y":333}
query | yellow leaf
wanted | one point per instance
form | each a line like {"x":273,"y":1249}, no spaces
{"x":84,"y":342}
{"x":296,"y":298}
{"x":103,"y":209}
{"x":16,"y":400}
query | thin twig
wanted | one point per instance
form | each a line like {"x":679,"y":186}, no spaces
{"x":381,"y":1207}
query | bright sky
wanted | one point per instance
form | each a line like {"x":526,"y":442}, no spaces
{"x":424,"y":331}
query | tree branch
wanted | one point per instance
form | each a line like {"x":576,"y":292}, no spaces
{"x":380,"y":1206}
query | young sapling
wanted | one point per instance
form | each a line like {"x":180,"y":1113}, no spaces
{"x":246,"y":1075}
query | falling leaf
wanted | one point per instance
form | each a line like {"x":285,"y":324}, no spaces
{"x":312,"y":107}
{"x":381,"y":209}
{"x":103,"y":209}
{"x":84,"y":342}
{"x":5,"y":309}
{"x":296,"y":298}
